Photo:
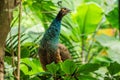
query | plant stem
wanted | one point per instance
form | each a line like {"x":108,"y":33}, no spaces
{"x":91,"y":44}
{"x":119,"y":17}
{"x":18,"y":66}
{"x":83,"y":39}
{"x":82,"y":52}
{"x":91,"y":57}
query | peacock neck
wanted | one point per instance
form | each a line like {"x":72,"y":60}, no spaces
{"x":59,"y":16}
{"x":50,"y":39}
{"x":55,"y":28}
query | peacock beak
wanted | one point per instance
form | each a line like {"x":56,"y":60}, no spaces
{"x":68,"y":10}
{"x":64,"y":11}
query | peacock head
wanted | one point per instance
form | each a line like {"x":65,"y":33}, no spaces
{"x":64,"y":11}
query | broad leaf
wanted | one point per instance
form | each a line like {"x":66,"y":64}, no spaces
{"x":114,"y":68}
{"x":30,"y":66}
{"x":102,"y":60}
{"x":53,"y":68}
{"x":87,"y":17}
{"x":69,"y":67}
{"x":112,"y":17}
{"x":24,"y":52}
{"x":90,"y":67}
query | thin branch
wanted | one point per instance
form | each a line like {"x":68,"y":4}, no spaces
{"x":83,"y":39}
{"x":91,"y":44}
{"x":119,"y":17}
{"x":18,"y":66}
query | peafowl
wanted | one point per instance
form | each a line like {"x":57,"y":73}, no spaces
{"x":50,"y":49}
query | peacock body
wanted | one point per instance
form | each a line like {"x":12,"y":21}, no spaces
{"x":50,"y":50}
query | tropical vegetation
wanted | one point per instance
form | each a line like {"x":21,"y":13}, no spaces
{"x":90,"y":32}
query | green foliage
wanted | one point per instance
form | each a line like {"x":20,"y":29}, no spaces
{"x":29,"y":68}
{"x":86,"y":68}
{"x":79,"y":26}
{"x":52,"y":68}
{"x":112,"y":17}
{"x":28,"y":64}
{"x":43,"y":10}
{"x":71,"y":67}
{"x":114,"y":68}
{"x":79,"y":34}
{"x":79,"y":72}
{"x":102,"y":60}
{"x":87,"y":17}
{"x":70,"y":70}
{"x":113,"y":71}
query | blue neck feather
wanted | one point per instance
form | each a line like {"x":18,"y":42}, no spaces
{"x":50,"y":39}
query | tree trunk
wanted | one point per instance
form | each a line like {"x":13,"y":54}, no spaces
{"x":6,"y":7}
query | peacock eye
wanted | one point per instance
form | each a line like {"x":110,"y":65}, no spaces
{"x":63,"y":9}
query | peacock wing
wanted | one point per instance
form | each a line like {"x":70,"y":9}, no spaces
{"x":64,"y":53}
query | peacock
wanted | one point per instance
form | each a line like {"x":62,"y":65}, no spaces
{"x":50,"y":49}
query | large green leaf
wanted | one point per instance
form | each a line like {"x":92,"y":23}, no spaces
{"x":68,"y":67}
{"x":102,"y":60}
{"x":53,"y":68}
{"x":114,"y":68}
{"x":30,"y":66}
{"x":87,"y":17}
{"x":112,"y":17}
{"x":25,"y":52}
{"x":90,"y":67}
